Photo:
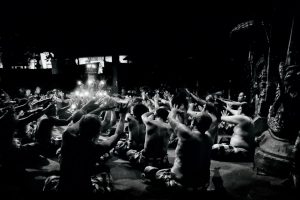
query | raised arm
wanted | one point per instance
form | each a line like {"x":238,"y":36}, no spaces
{"x":106,"y":121}
{"x":234,"y":103}
{"x":156,"y":98}
{"x":180,"y":129}
{"x":106,"y":145}
{"x":199,"y":100}
{"x":37,"y":114}
{"x":113,"y":118}
{"x":21,"y":107}
{"x":40,"y":103}
{"x":146,"y":117}
{"x":229,"y":109}
{"x":234,"y":119}
{"x":64,"y":108}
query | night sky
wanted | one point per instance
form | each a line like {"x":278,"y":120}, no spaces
{"x":190,"y":38}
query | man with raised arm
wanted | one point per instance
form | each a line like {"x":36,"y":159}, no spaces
{"x":137,"y":131}
{"x":79,"y":154}
{"x":191,"y":167}
{"x":156,"y":141}
{"x":241,"y":146}
{"x":210,"y":109}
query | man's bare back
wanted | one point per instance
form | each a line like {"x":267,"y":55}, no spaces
{"x":137,"y":131}
{"x":192,"y":160}
{"x":157,"y":138}
{"x":243,"y":134}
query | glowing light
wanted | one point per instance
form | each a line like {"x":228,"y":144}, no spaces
{"x":90,"y":82}
{"x":76,"y":93}
{"x":102,"y":82}
{"x":86,"y":93}
{"x":105,"y":93}
{"x":81,"y":94}
{"x":100,"y":94}
{"x":73,"y":106}
{"x":79,"y":82}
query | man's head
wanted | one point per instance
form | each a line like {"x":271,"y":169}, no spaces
{"x":28,"y":92}
{"x":50,"y":94}
{"x":210,"y":108}
{"x":180,"y":100}
{"x":202,"y":122}
{"x":37,"y":90}
{"x":245,"y":109}
{"x":89,"y":126}
{"x":210,"y":98}
{"x":162,"y":113}
{"x":242,"y":97}
{"x":170,"y":90}
{"x":123,"y":91}
{"x":138,"y":110}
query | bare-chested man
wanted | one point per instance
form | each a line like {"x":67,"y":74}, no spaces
{"x":241,"y":144}
{"x":210,"y":109}
{"x":46,"y":123}
{"x":79,"y":154}
{"x":137,"y":131}
{"x":191,"y":167}
{"x":156,"y":141}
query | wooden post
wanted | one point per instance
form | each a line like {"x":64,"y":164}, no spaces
{"x":115,"y":62}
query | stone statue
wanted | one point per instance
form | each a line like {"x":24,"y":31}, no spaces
{"x":284,"y":114}
{"x":275,"y":153}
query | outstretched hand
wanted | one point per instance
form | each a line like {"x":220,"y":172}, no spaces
{"x":229,"y":106}
{"x":224,"y":113}
{"x":176,"y":109}
{"x":156,"y":97}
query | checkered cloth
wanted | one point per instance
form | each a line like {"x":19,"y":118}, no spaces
{"x":101,"y":184}
{"x":166,"y":178}
{"x":229,"y":153}
{"x":138,"y":159}
{"x":124,"y":145}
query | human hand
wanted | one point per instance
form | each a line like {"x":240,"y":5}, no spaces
{"x":61,"y":94}
{"x":156,"y":97}
{"x":229,"y":106}
{"x":200,"y":107}
{"x":176,"y":109}
{"x":224,"y":113}
{"x":191,"y":105}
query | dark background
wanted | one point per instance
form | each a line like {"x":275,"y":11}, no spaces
{"x":173,"y":42}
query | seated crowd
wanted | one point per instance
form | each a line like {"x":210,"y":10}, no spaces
{"x":138,"y":126}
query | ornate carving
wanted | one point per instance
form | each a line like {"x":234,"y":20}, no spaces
{"x":284,"y":114}
{"x":260,"y":87}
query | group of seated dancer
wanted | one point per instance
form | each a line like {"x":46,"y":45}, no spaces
{"x":155,"y":121}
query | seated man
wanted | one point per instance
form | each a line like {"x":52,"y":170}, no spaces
{"x":241,"y":145}
{"x":46,"y":123}
{"x":105,"y":123}
{"x":182,"y":117}
{"x":79,"y":154}
{"x":192,"y":156}
{"x":156,"y":141}
{"x":137,"y":131}
{"x":210,"y":109}
{"x":15,"y":155}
